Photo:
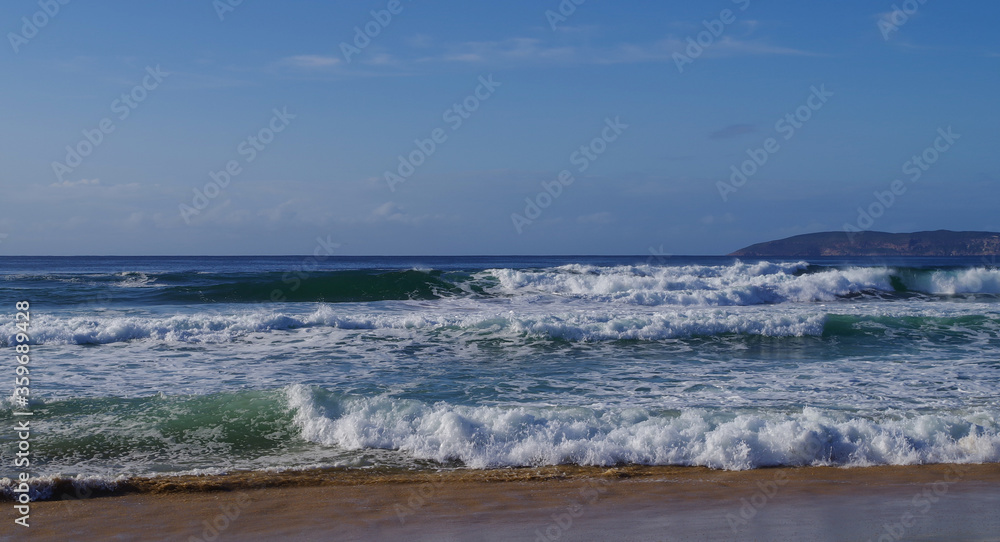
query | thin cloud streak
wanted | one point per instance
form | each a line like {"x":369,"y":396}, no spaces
{"x":534,"y":51}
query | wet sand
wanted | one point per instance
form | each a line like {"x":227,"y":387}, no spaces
{"x":947,"y":502}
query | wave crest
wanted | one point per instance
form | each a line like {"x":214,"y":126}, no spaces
{"x":592,"y":325}
{"x":487,"y":436}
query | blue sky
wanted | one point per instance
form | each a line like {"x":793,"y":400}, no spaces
{"x":670,"y":120}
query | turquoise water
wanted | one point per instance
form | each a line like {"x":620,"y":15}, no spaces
{"x":143,"y":366}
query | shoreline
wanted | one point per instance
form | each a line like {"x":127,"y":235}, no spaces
{"x":68,"y":488}
{"x":575,"y":503}
{"x":354,"y":476}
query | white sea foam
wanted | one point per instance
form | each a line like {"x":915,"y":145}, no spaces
{"x":694,"y":285}
{"x":572,"y":322}
{"x":135,"y":279}
{"x":202,"y":327}
{"x":736,"y":284}
{"x":576,"y":325}
{"x":491,"y":436}
{"x":963,"y":281}
{"x":573,"y":302}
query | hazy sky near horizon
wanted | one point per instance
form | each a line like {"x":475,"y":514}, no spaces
{"x":116,"y":114}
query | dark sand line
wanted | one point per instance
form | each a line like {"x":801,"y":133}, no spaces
{"x":947,"y":502}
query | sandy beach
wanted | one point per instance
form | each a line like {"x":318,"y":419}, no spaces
{"x":946,"y":502}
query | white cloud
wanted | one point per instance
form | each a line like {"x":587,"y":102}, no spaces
{"x":311,"y":62}
{"x":81,"y":182}
{"x":390,"y":211}
{"x":526,"y":50}
{"x":536,"y":50}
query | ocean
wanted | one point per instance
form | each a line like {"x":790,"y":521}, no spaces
{"x":148,"y":366}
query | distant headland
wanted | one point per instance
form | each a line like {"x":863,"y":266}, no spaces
{"x":876,"y":243}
